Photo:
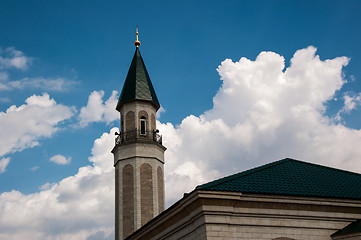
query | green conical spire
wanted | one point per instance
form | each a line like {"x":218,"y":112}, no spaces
{"x":137,"y":85}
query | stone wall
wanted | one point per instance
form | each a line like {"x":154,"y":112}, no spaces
{"x":220,"y":215}
{"x":137,"y":185}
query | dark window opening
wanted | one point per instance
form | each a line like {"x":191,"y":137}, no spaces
{"x":142,"y":126}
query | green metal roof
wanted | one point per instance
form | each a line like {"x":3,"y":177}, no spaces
{"x":291,"y":177}
{"x":137,"y":85}
{"x":354,"y":227}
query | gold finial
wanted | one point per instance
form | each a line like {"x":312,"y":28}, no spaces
{"x":137,"y":42}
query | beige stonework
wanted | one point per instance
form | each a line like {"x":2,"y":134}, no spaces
{"x":130,"y":121}
{"x":229,"y":215}
{"x":160,"y":181}
{"x":128,"y":200}
{"x":153,"y":121}
{"x":139,"y":149}
{"x":136,"y":163}
{"x":146,"y":193}
{"x":138,"y":108}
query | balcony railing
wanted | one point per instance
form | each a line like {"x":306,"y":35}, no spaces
{"x":151,"y":136}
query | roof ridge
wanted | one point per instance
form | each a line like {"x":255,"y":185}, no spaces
{"x":244,"y":173}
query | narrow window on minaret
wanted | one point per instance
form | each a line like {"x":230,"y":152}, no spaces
{"x":142,"y":126}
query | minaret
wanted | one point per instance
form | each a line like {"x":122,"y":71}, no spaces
{"x":138,"y":152}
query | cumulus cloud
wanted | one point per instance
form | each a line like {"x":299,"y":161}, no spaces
{"x":60,"y":159}
{"x":78,"y":207}
{"x":262,"y":113}
{"x":21,"y":127}
{"x":97,"y":111}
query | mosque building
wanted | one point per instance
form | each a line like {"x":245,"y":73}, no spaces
{"x":283,"y":200}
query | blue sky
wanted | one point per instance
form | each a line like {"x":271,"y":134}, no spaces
{"x":69,"y":51}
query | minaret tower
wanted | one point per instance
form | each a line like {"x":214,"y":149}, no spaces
{"x":138,"y":152}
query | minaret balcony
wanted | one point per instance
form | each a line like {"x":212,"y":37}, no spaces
{"x":136,"y":135}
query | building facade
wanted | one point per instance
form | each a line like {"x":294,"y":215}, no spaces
{"x":283,"y":200}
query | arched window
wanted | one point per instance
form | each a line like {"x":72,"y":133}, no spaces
{"x":146,"y":193}
{"x":128,"y":200}
{"x":143,"y":126}
{"x":160,"y":181}
{"x":130,"y":121}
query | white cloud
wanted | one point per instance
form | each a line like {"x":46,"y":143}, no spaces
{"x":78,"y":207}
{"x":3,"y":164}
{"x":21,"y":127}
{"x":12,"y":58}
{"x":97,"y":111}
{"x":47,"y":84}
{"x":60,"y":159}
{"x":261,"y":113}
